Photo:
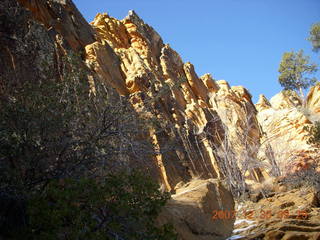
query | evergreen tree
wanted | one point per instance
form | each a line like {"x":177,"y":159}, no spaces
{"x":58,"y":148}
{"x":314,"y":37}
{"x":295,"y":70}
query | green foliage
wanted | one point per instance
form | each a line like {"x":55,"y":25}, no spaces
{"x":314,"y":132}
{"x":289,"y":93}
{"x":122,"y":206}
{"x":41,"y":130}
{"x":58,"y":145}
{"x":53,"y":129}
{"x":314,"y":36}
{"x":294,"y":70}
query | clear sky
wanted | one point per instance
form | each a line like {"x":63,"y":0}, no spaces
{"x":241,"y":41}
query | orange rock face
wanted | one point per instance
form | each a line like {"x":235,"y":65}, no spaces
{"x":215,"y":127}
{"x":217,"y":121}
{"x":213,"y":130}
{"x":284,"y":123}
{"x":62,"y":17}
{"x":313,"y":100}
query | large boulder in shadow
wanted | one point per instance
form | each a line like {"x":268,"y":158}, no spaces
{"x":191,"y":211}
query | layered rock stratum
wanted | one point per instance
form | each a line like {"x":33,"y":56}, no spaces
{"x":214,"y":130}
{"x":212,"y":121}
{"x":285,"y":122}
{"x":291,"y":215}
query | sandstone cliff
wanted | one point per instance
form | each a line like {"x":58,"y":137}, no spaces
{"x":284,"y":120}
{"x":214,"y":123}
{"x":313,"y":102}
{"x":208,"y":129}
{"x":216,"y":128}
{"x":211,"y":124}
{"x":129,"y":57}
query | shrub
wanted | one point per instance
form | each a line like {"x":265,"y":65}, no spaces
{"x":58,"y":146}
{"x":122,"y":206}
{"x":314,"y":134}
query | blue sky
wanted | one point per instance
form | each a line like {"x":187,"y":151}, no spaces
{"x":241,"y":41}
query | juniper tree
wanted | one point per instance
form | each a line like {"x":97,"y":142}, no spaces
{"x":314,"y":36}
{"x":295,"y":70}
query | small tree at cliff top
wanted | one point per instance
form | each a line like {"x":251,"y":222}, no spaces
{"x":314,"y":37}
{"x":295,"y":70}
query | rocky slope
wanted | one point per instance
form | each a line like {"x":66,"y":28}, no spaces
{"x":293,"y":214}
{"x":209,"y":129}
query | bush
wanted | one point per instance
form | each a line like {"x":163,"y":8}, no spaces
{"x":122,"y":206}
{"x":54,"y":129}
{"x":58,"y":146}
{"x":314,"y":134}
{"x":42,"y":133}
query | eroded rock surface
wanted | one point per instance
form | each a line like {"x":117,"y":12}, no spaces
{"x":313,"y":101}
{"x":210,"y":119}
{"x":63,"y":18}
{"x":209,"y":129}
{"x":284,"y":121}
{"x":191,"y":210}
{"x":130,"y":57}
{"x":293,"y":214}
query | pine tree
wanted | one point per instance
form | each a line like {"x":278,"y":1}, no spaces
{"x":295,"y":70}
{"x":314,"y":37}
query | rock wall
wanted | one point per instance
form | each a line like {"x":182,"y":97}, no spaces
{"x":213,"y":124}
{"x":284,"y":121}
{"x":206,"y":121}
{"x":131,"y":59}
{"x":208,"y":129}
{"x":313,"y":102}
{"x":20,"y":61}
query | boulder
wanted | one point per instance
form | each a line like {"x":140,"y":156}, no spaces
{"x":191,"y":210}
